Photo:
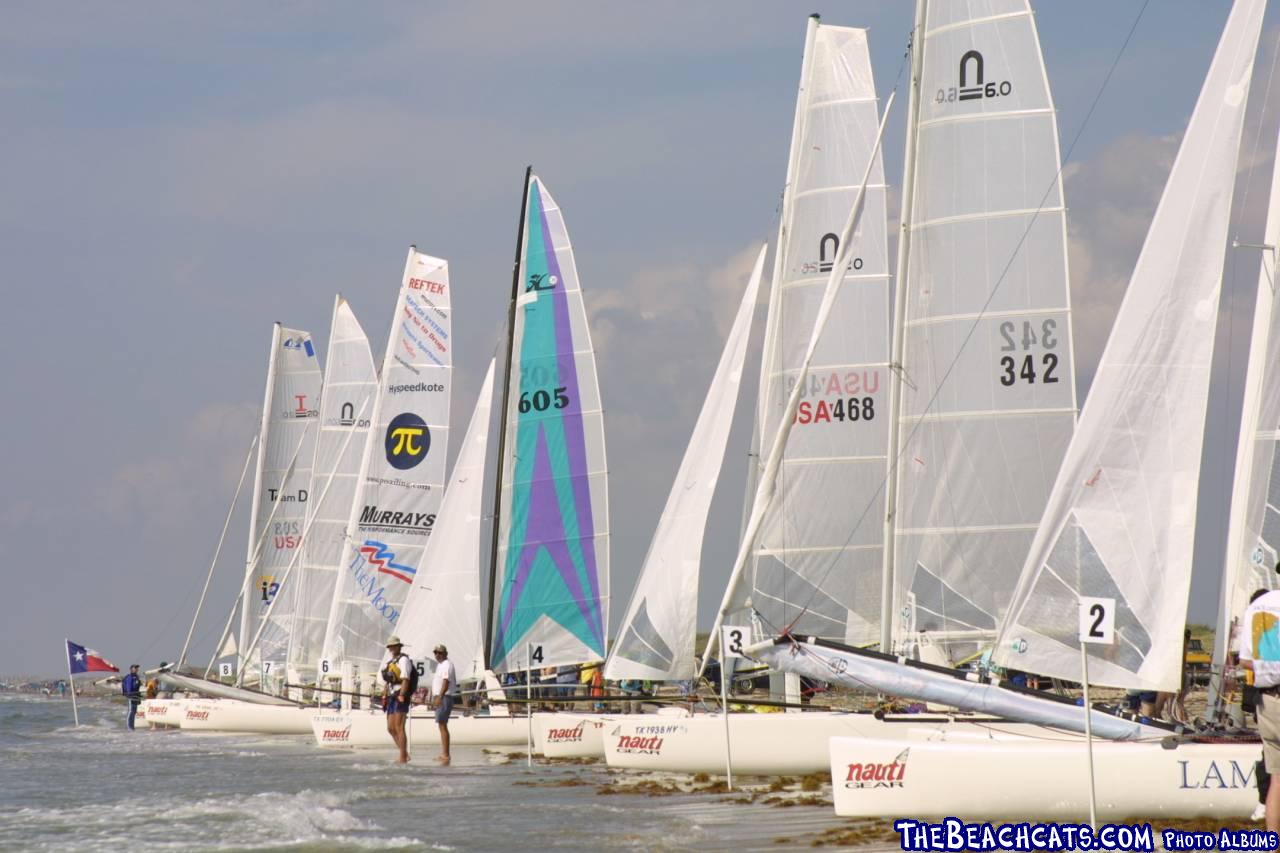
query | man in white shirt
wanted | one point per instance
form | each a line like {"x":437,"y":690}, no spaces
{"x":1260,"y":651}
{"x":444,"y":689}
{"x":396,"y":674}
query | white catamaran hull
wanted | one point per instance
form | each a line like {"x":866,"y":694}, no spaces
{"x":228,"y":715}
{"x":162,"y":713}
{"x":368,"y":729}
{"x":1048,"y":779}
{"x":569,"y":735}
{"x":782,"y":744}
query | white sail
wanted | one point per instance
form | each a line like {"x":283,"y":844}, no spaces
{"x":444,"y":605}
{"x":346,"y":409}
{"x":403,"y":471}
{"x":985,"y":398}
{"x":1253,"y":536}
{"x":656,"y":640}
{"x":282,"y":481}
{"x":551,"y":577}
{"x":1121,"y":519}
{"x":813,"y":568}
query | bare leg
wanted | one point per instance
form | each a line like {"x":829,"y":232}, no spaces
{"x":396,"y":721}
{"x":1273,"y":805}
{"x":445,"y":758}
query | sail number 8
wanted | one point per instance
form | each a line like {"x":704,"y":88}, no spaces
{"x":541,"y":400}
{"x":1029,"y":367}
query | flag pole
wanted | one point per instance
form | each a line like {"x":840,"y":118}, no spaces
{"x":71,"y":682}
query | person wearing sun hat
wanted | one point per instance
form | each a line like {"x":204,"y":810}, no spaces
{"x":444,"y":689}
{"x":398,"y":674}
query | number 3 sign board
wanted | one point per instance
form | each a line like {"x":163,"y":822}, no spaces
{"x":733,"y":638}
{"x":1098,"y":621}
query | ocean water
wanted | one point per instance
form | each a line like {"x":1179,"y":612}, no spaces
{"x":102,"y":787}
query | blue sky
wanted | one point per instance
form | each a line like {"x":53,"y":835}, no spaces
{"x":176,"y":177}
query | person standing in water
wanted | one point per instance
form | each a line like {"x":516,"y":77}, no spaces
{"x":444,"y":688}
{"x":131,"y":687}
{"x":398,"y":676}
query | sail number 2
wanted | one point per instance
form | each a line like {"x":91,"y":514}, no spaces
{"x":1028,"y":366}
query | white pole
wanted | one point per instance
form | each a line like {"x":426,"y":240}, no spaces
{"x":182,"y":658}
{"x":1088,"y":736}
{"x":898,"y":343}
{"x":528,"y":694}
{"x":724,"y":706}
{"x":71,"y":682}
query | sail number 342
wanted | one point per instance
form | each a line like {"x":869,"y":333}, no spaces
{"x":1028,"y":367}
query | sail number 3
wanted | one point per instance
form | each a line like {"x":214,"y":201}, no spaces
{"x":1028,"y":367}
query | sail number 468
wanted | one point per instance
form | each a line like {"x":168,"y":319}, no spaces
{"x":1027,"y":367}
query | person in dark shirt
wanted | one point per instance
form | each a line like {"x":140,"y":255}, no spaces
{"x":131,"y":687}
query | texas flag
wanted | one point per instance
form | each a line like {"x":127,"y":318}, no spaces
{"x":81,"y":659}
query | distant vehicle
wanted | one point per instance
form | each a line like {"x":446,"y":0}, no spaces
{"x":1197,"y":662}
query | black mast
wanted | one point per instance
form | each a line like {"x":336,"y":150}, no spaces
{"x":502,"y":420}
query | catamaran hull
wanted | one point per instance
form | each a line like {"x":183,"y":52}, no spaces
{"x":228,"y":715}
{"x":568,"y":735}
{"x":368,"y":730}
{"x":1011,"y":779}
{"x":162,"y":713}
{"x":780,"y":744}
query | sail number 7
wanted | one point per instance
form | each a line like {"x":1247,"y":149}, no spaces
{"x":1027,"y":365}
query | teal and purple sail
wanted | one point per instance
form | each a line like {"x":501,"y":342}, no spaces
{"x":551,"y":590}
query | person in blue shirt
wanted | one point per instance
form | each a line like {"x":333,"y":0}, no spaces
{"x":131,"y":687}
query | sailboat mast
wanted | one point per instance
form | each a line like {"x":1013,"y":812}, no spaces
{"x":899,"y":329}
{"x":502,"y":418}
{"x":251,"y":558}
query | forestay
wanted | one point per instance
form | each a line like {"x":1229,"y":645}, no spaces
{"x":551,"y":584}
{"x":346,"y":409}
{"x":444,"y":604}
{"x":813,"y":566}
{"x":1121,"y":519}
{"x":282,"y":483}
{"x":987,"y":393}
{"x":1253,"y":537}
{"x":402,"y":474}
{"x":656,"y":640}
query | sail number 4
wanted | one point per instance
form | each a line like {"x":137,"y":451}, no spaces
{"x":1029,"y":366}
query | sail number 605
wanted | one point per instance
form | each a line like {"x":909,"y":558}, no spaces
{"x":541,"y":400}
{"x":1028,"y":367}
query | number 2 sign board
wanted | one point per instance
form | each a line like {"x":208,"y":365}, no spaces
{"x":1098,"y":621}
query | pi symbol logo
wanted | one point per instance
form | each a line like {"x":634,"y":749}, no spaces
{"x":407,"y":441}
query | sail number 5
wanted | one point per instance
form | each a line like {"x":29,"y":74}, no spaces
{"x":1029,"y":366}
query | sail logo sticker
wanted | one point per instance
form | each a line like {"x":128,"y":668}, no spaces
{"x":269,"y":587}
{"x":377,"y":554}
{"x":347,"y":418}
{"x":828,"y":249}
{"x":872,"y":774}
{"x":541,"y":281}
{"x":973,"y":83}
{"x":303,"y":344}
{"x":407,"y":441}
{"x":301,"y":410}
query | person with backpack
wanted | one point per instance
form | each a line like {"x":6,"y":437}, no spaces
{"x":131,"y":687}
{"x":401,"y":679}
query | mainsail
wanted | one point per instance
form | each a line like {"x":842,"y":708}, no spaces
{"x":403,"y":471}
{"x":444,"y":604}
{"x":346,"y":409}
{"x":551,"y":572}
{"x":282,"y":482}
{"x":656,"y":640}
{"x":1120,"y":522}
{"x":985,"y":397}
{"x":814,"y":568}
{"x":1253,"y":536}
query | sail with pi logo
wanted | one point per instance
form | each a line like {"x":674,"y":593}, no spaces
{"x":403,"y":471}
{"x":551,"y":584}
